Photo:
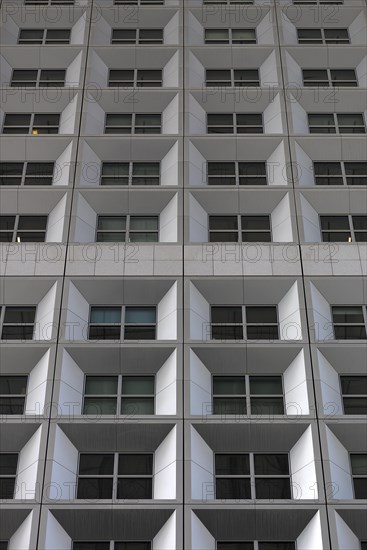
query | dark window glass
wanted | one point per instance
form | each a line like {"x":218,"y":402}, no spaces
{"x":12,"y":394}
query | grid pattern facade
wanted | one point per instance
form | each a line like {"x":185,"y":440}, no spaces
{"x":183,"y":296}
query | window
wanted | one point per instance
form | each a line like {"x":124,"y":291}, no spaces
{"x":349,"y":322}
{"x":112,"y":545}
{"x":8,"y":470}
{"x":127,"y":395}
{"x":231,"y":123}
{"x":323,"y":36}
{"x":31,"y":123}
{"x":354,"y":394}
{"x":17,"y":322}
{"x":137,"y":229}
{"x":247,"y":322}
{"x":26,"y":173}
{"x":115,"y":476}
{"x":340,"y":173}
{"x":12,"y":394}
{"x":229,"y":2}
{"x":232,"y":77}
{"x":139,"y":2}
{"x":237,"y":173}
{"x":134,"y":123}
{"x":239,"y":229}
{"x":252,"y":475}
{"x":344,"y":228}
{"x":245,"y":395}
{"x":256,"y":545}
{"x":319,"y":2}
{"x":49,"y":2}
{"x":44,"y":36}
{"x":23,"y":229}
{"x":349,"y":123}
{"x":230,"y":36}
{"x":130,"y":173}
{"x":3,"y":545}
{"x":137,"y":36}
{"x":359,"y":473}
{"x":106,"y":323}
{"x":142,"y":78}
{"x":38,"y":78}
{"x":330,"y":77}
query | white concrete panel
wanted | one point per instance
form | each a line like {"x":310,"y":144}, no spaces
{"x":197,"y":117}
{"x":323,"y":323}
{"x":171,"y":31}
{"x":200,"y":387}
{"x":77,"y":315}
{"x":202,"y":468}
{"x":358,"y":30}
{"x":91,"y":166}
{"x":64,"y":469}
{"x":45,"y":324}
{"x":5,"y":72}
{"x":197,"y":166}
{"x":168,"y":222}
{"x":85,"y":222}
{"x":304,"y":167}
{"x":273,"y":117}
{"x":201,"y":538}
{"x":94,"y":119}
{"x":165,"y":461}
{"x":330,"y":387}
{"x":36,"y":388}
{"x":361,"y":71}
{"x":299,"y":117}
{"x":265,"y":31}
{"x":169,"y":167}
{"x":276,"y":166}
{"x":295,"y":77}
{"x":63,"y":167}
{"x":166,"y":386}
{"x":98,"y":72}
{"x":303,"y":469}
{"x":199,"y":315}
{"x":165,"y":539}
{"x":196,"y":72}
{"x":170,"y":117}
{"x":55,"y":222}
{"x":68,"y":117}
{"x":102,"y":32}
{"x":345,"y":536}
{"x":171,"y":72}
{"x":311,"y":222}
{"x":281,"y":222}
{"x":341,"y":479}
{"x":56,"y":538}
{"x":289,"y":30}
{"x":71,"y":387}
{"x":311,"y":536}
{"x":9,"y":30}
{"x":195,"y":30}
{"x":268,"y":71}
{"x":21,"y":539}
{"x":73,"y":76}
{"x":26,"y":487}
{"x":295,"y":387}
{"x":78,"y":31}
{"x":289,"y":315}
{"x":198,"y":228}
{"x":167,"y":315}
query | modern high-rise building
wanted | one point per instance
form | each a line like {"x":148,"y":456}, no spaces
{"x":183,"y":261}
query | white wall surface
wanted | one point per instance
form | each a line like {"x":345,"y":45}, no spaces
{"x":200,"y":387}
{"x":330,"y":387}
{"x":77,"y":315}
{"x":71,"y":387}
{"x":295,"y":387}
{"x":303,"y":469}
{"x":321,"y":315}
{"x":339,"y":465}
{"x":37,"y":384}
{"x":168,"y":222}
{"x":166,"y":386}
{"x":165,"y":468}
{"x":45,"y":316}
{"x":202,"y":469}
{"x":21,"y":539}
{"x":64,"y":469}
{"x":26,"y":487}
{"x":199,"y":315}
{"x":55,"y":222}
{"x":201,"y":538}
{"x":165,"y":539}
{"x":311,"y":536}
{"x":56,"y":537}
{"x":290,"y":327}
{"x":167,"y":315}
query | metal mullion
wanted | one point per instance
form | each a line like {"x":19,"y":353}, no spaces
{"x":16,"y":224}
{"x":364,"y":312}
{"x":244,"y":323}
{"x":115,"y":476}
{"x":252,"y":475}
{"x":344,"y":174}
{"x":248,"y":395}
{"x":119,"y":394}
{"x":122,"y":323}
{"x":127,"y":231}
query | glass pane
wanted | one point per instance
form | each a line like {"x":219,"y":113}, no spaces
{"x":117,"y":119}
{"x":12,"y":405}
{"x":222,"y":168}
{"x":31,"y":34}
{"x":115,"y":169}
{"x":19,"y":332}
{"x":8,"y":463}
{"x":232,"y":488}
{"x":143,"y":315}
{"x":94,"y":488}
{"x":95,"y":406}
{"x":91,"y":545}
{"x":146,"y":169}
{"x":350,"y":119}
{"x":136,"y":332}
{"x":252,"y":168}
{"x":347,"y":314}
{"x":132,"y":405}
{"x":356,"y":168}
{"x":96,"y":464}
{"x":101,"y":385}
{"x":229,"y":405}
{"x":321,"y":120}
{"x":261,"y":314}
{"x":135,"y":464}
{"x":148,"y":120}
{"x":17,"y":120}
{"x":336,"y":33}
{"x":327,"y":168}
{"x":13,"y":385}
{"x":11,"y":168}
{"x":266,"y":385}
{"x":355,"y":405}
{"x":58,"y":34}
{"x":32,"y":222}
{"x":22,"y":74}
{"x":40,"y":169}
{"x":224,"y":314}
{"x":314,"y":74}
{"x":255,"y":222}
{"x":101,"y":332}
{"x":229,"y":385}
{"x":111,"y":223}
{"x":235,"y":464}
{"x":216,"y":34}
{"x":360,"y":487}
{"x":359,"y":464}
{"x":354,"y":385}
{"x":360,"y":222}
{"x":148,"y":34}
{"x":235,"y":546}
{"x":138,"y":385}
{"x":223,"y":222}
{"x":350,"y":332}
{"x":20,"y":314}
{"x":277,"y":546}
{"x":267,"y":405}
{"x":7,"y":223}
{"x":220,"y":119}
{"x":105,"y":315}
{"x":111,"y":237}
{"x":216,"y":74}
{"x":134,"y":488}
{"x":272,"y":488}
{"x":271,"y":464}
{"x":243,"y":34}
{"x":223,"y":332}
{"x":132,"y":545}
{"x":334,"y":222}
{"x":7,"y":487}
{"x":144,"y":223}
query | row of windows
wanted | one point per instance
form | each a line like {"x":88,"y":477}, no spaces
{"x":212,"y":36}
{"x":161,"y":2}
{"x":217,"y":123}
{"x":227,"y":322}
{"x":148,"y":173}
{"x":130,"y":475}
{"x":145,"y":229}
{"x":232,"y":395}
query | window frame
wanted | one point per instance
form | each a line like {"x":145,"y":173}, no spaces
{"x":133,"y":126}
{"x":323,"y":39}
{"x":232,"y":82}
{"x":353,"y":232}
{"x":329,"y":82}
{"x":135,"y":82}
{"x":14,"y":395}
{"x":344,"y":176}
{"x":3,"y":324}
{"x":235,"y":124}
{"x":357,"y":476}
{"x":39,"y":81}
{"x":236,"y":175}
{"x":10,"y":476}
{"x":32,"y":128}
{"x":44,"y":40}
{"x":17,"y":218}
{"x":230,"y":41}
{"x":345,"y":324}
{"x":127,"y":231}
{"x":336,"y":124}
{"x":240,"y":230}
{"x":351,"y":396}
{"x":121,"y":324}
{"x":130,"y":176}
{"x":244,"y":324}
{"x":23,"y":173}
{"x":138,"y":40}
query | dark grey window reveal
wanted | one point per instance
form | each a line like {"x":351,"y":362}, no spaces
{"x":115,"y":476}
{"x":340,"y":173}
{"x":26,"y":173}
{"x":17,"y":322}
{"x":108,"y":323}
{"x":252,"y":475}
{"x":244,"y":323}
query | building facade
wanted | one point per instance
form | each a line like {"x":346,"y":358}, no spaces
{"x":183,"y":229}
